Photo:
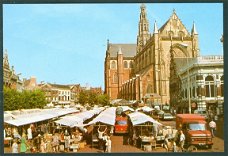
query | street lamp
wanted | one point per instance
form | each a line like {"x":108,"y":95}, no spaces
{"x":159,"y":85}
{"x":188,"y":84}
{"x":189,"y":98}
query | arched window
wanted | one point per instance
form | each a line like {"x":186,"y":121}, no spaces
{"x":131,"y":64}
{"x":125,"y":64}
{"x":181,"y":34}
{"x":113,"y":65}
{"x":222,"y":85}
{"x":171,"y":33}
{"x":186,"y":93}
{"x":193,"y":92}
{"x":115,"y":78}
{"x":210,"y":87}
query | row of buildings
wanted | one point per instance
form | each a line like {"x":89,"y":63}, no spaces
{"x":165,"y":67}
{"x":55,"y":93}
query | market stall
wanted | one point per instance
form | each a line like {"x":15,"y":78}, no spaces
{"x":142,"y":129}
{"x":105,"y":119}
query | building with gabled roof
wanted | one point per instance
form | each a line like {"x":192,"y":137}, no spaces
{"x":10,"y":78}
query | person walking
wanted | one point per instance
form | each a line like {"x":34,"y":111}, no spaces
{"x":212,"y":126}
{"x":105,"y":138}
{"x":108,"y":145}
{"x":155,"y":129}
{"x":182,"y":140}
{"x":15,"y":146}
{"x":67,"y":141}
{"x":166,"y":143}
{"x":29,"y":132}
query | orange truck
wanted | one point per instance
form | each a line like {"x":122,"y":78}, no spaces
{"x":194,"y":127}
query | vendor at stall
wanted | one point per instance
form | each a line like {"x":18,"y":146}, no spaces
{"x":100,"y":136}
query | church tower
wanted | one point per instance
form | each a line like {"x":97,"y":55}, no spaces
{"x":143,"y":32}
{"x":195,"y":41}
{"x":120,"y":71}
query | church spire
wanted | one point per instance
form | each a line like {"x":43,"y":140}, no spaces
{"x":120,"y":51}
{"x":194,"y":32}
{"x":155,"y":28}
{"x":143,"y":34}
{"x":6,"y":60}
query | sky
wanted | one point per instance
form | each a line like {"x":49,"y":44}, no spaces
{"x":66,"y":43}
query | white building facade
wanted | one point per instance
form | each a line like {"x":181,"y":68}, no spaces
{"x":202,"y":79}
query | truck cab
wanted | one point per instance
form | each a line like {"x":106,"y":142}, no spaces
{"x":194,"y":127}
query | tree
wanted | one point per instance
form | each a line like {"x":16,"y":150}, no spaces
{"x":92,"y":98}
{"x":103,"y":99}
{"x":14,"y":100}
{"x":83,"y":97}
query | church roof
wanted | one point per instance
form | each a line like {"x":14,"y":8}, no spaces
{"x":128,"y":50}
{"x":173,"y":23}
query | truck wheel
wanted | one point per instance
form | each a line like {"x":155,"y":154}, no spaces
{"x":192,"y":148}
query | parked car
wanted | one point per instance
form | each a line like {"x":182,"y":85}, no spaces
{"x":160,"y":114}
{"x":202,"y":113}
{"x":167,"y":116}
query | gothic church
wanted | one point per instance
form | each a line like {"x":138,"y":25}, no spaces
{"x":139,"y":71}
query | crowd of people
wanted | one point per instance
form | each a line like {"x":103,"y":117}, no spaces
{"x":33,"y":140}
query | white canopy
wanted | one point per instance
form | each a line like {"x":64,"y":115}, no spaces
{"x":108,"y":116}
{"x":138,"y":118}
{"x":28,"y":118}
{"x":145,"y":109}
{"x":70,"y":121}
{"x":125,"y":108}
{"x":76,"y":120}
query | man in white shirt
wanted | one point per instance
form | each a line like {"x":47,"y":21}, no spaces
{"x":212,"y":126}
{"x":182,"y":140}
